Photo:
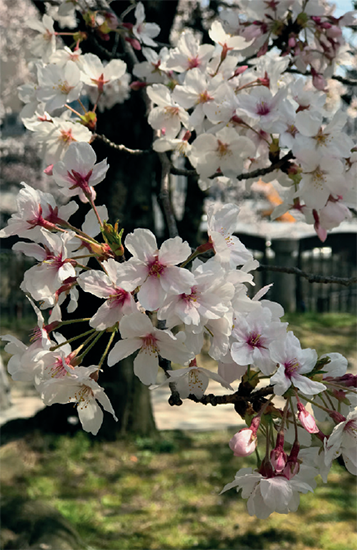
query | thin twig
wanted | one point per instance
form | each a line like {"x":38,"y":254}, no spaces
{"x":121,"y":147}
{"x":311,"y":277}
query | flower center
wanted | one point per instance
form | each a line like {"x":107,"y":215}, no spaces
{"x":188,"y":298}
{"x":156,"y":269}
{"x":263,"y":108}
{"x":254,"y":340}
{"x":172,"y":111}
{"x":291,"y":367}
{"x":149,"y":344}
{"x":223,"y":149}
{"x":204,"y":97}
{"x":64,"y":87}
{"x":193,"y":62}
{"x":66,"y":136}
{"x":119,"y":297}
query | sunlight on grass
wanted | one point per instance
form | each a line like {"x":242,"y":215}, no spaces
{"x":135,"y":495}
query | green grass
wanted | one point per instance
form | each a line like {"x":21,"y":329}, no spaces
{"x":325,"y":332}
{"x":164,"y":494}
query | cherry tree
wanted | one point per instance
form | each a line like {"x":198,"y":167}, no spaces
{"x":245,"y":99}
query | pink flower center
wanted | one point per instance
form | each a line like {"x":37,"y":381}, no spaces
{"x":188,"y":298}
{"x":119,"y":297}
{"x":263,"y":108}
{"x":149,"y":344}
{"x":193,"y":62}
{"x":66,"y":136}
{"x":351,"y":427}
{"x":156,"y":268}
{"x":223,"y":149}
{"x":291,"y":367}
{"x":255,"y":340}
{"x":80,"y":181}
{"x":204,"y":97}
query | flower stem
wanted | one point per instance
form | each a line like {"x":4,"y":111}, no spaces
{"x":91,"y":331}
{"x":80,"y":357}
{"x":106,"y":350}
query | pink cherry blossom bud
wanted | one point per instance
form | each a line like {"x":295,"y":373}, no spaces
{"x":263,"y":50}
{"x":243,"y":443}
{"x":252,"y":32}
{"x":318,"y":80}
{"x":240,"y":70}
{"x":306,"y":419}
{"x":277,"y":456}
{"x":337,"y":417}
{"x":137,"y":85}
{"x":265,"y":81}
{"x":48,"y":170}
{"x":347,"y":380}
{"x":334,"y":32}
{"x":133,"y":42}
{"x":187,"y":136}
{"x":292,"y":465}
{"x":292,"y":41}
{"x":320,"y":231}
{"x":266,"y":469}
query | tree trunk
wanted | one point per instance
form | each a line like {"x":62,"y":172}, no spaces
{"x":128,"y":194}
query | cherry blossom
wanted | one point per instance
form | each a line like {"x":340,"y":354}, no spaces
{"x":293,"y":362}
{"x":144,"y":32}
{"x":96,"y":74}
{"x":82,"y":389}
{"x":193,"y":380}
{"x":36,"y":209}
{"x":168,"y":116}
{"x":189,"y":54}
{"x":138,"y":333}
{"x":43,"y":44}
{"x":343,"y":441}
{"x":58,"y":86}
{"x":78,"y":171}
{"x":268,"y":494}
{"x":154,"y":270}
{"x":226,"y":151}
{"x":119,"y":301}
{"x":221,"y":224}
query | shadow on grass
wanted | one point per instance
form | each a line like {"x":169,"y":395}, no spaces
{"x":164,"y":494}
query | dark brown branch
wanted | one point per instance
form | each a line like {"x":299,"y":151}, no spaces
{"x":254,"y":174}
{"x":311,"y":277}
{"x":232,"y":398}
{"x":164,"y":195}
{"x":120,"y":147}
{"x":343,"y":80}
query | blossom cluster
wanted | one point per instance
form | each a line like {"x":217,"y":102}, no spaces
{"x":229,"y":118}
{"x":161,"y":304}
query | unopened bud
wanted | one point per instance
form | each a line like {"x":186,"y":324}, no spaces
{"x":306,"y":419}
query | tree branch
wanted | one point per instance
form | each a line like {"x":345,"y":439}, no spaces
{"x":254,"y":174}
{"x":233,"y":398}
{"x":311,"y":277}
{"x":121,"y":147}
{"x":164,"y":195}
